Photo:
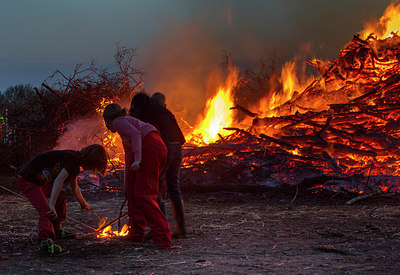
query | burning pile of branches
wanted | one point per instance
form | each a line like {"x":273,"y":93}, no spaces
{"x":341,"y":133}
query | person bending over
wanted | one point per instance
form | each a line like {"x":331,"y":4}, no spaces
{"x":145,"y":155}
{"x":44,"y":177}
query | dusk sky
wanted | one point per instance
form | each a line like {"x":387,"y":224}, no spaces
{"x":174,"y":39}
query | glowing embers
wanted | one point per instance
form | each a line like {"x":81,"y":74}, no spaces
{"x":108,"y":232}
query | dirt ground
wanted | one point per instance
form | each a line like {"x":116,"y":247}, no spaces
{"x":229,"y":233}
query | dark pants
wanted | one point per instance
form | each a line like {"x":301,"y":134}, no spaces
{"x":37,"y":196}
{"x":171,"y":171}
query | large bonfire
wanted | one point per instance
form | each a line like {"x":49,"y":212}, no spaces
{"x":341,"y":133}
{"x":342,"y":129}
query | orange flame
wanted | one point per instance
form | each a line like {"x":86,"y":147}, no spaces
{"x":384,"y":26}
{"x":293,"y":80}
{"x":111,"y":141}
{"x":217,"y":114}
{"x":109,"y":233}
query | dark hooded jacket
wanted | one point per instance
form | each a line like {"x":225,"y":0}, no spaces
{"x":142,"y":108}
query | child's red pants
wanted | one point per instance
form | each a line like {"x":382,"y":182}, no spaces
{"x":142,"y":194}
{"x":37,"y":196}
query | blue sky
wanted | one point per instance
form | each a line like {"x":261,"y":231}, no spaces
{"x":174,"y":39}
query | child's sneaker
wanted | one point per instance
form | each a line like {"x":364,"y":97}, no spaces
{"x":63,"y":235}
{"x":48,"y":247}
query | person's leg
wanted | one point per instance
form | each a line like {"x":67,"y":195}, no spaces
{"x":161,"y":187}
{"x":173,"y":167}
{"x":147,"y":188}
{"x":179,"y":216}
{"x":61,"y":209}
{"x":137,"y":223}
{"x":161,"y":203}
{"x":38,"y":200}
{"x":172,"y":182}
{"x":60,"y":206}
{"x":160,"y":200}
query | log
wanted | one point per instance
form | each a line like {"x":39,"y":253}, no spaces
{"x":279,"y":142}
{"x":341,"y":148}
{"x":218,"y":148}
{"x":304,"y":120}
{"x":51,"y":90}
{"x":362,"y":197}
{"x":316,"y":140}
{"x":247,"y":112}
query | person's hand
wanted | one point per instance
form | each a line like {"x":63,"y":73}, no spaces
{"x":85,"y":205}
{"x":135,"y":165}
{"x":52,"y":214}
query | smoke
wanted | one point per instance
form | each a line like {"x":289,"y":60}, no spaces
{"x":81,"y":133}
{"x":187,"y":60}
{"x":189,"y":51}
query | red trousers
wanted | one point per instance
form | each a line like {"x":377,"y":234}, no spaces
{"x":37,"y":196}
{"x":142,"y":194}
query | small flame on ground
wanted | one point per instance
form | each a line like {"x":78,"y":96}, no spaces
{"x":108,"y":232}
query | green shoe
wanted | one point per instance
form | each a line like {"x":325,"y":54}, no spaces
{"x":61,"y":234}
{"x":49,"y":248}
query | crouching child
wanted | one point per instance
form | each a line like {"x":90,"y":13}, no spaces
{"x":44,"y":176}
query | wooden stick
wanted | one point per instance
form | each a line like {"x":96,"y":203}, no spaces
{"x":25,"y":198}
{"x":304,"y":120}
{"x":361,"y":198}
{"x":277,"y":141}
{"x":114,"y":221}
{"x":81,"y":223}
{"x":95,"y":214}
{"x":247,"y":112}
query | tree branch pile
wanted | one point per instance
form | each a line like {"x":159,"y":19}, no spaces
{"x":350,"y":144}
{"x":34,"y":118}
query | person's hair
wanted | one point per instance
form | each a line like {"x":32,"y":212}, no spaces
{"x":94,"y":157}
{"x":140,"y":105}
{"x":159,"y":99}
{"x":112,"y":111}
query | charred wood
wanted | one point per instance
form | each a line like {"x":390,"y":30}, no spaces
{"x":279,"y":142}
{"x":242,"y":109}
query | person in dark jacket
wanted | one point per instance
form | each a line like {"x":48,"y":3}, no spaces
{"x":159,"y":99}
{"x":153,"y":110}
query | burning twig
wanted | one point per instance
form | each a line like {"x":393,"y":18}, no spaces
{"x":247,"y":112}
{"x":279,"y":142}
{"x":304,"y":120}
{"x":83,"y":224}
{"x":112,"y":222}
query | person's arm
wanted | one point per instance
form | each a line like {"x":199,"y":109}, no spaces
{"x":55,"y":191}
{"x":76,"y":190}
{"x":124,"y":127}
